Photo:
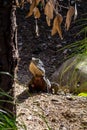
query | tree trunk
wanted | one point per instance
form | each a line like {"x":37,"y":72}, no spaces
{"x":8,"y":53}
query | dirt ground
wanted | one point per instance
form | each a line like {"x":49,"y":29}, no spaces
{"x":44,"y":111}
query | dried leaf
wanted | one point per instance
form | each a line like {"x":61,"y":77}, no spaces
{"x":48,"y":20}
{"x":37,"y":1}
{"x":48,"y":11}
{"x":69,"y":15}
{"x":17,"y":3}
{"x":36,"y":12}
{"x":54,"y":30}
{"x":57,"y":25}
{"x":76,"y":13}
{"x":30,"y":1}
{"x":37,"y":28}
{"x":22,"y":3}
{"x":31,"y":8}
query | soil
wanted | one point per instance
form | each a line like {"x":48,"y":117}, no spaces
{"x":43,"y":111}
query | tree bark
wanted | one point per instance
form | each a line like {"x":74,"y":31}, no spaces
{"x":8,"y":53}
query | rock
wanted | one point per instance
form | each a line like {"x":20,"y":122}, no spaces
{"x":62,"y":127}
{"x":69,"y":97}
{"x":73,"y":74}
{"x":54,"y":87}
{"x":84,"y":121}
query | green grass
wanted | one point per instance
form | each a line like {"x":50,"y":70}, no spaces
{"x":7,"y":121}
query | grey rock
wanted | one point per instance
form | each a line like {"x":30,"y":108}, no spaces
{"x":72,"y":73}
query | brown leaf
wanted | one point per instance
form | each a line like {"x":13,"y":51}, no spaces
{"x":57,"y":25}
{"x":31,"y":9}
{"x":17,"y":3}
{"x":22,"y":3}
{"x":48,"y":11}
{"x":37,"y":1}
{"x":30,"y":1}
{"x":48,"y":20}
{"x":69,"y":15}
{"x":36,"y":12}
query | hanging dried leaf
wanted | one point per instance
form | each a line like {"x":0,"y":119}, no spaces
{"x":76,"y":13}
{"x":57,"y":25}
{"x":34,"y":3}
{"x":31,"y":8}
{"x":30,"y":1}
{"x":37,"y":29}
{"x":36,"y":12}
{"x":48,"y":11}
{"x":69,"y":15}
{"x":22,"y":3}
{"x":54,"y":30}
{"x":37,"y":1}
{"x":17,"y":3}
{"x":48,"y":20}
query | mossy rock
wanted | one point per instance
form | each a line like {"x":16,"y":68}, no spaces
{"x":72,"y":73}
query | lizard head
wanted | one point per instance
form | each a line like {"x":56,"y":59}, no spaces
{"x":36,"y":67}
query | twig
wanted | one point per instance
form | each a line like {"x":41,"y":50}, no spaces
{"x":63,"y":6}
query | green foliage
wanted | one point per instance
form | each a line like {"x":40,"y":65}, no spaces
{"x":6,"y":73}
{"x":3,"y":93}
{"x":82,"y":94}
{"x":7,"y":121}
{"x":78,"y":48}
